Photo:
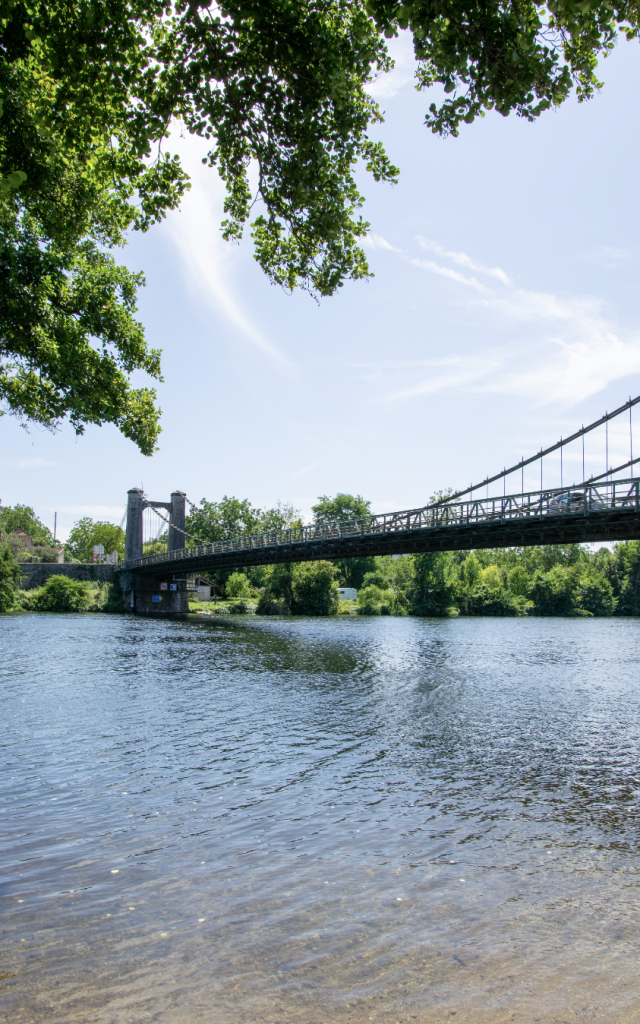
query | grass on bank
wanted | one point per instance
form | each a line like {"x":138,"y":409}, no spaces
{"x":241,"y":606}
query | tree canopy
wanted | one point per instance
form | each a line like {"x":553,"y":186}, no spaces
{"x":68,"y":338}
{"x":23,"y":516}
{"x":10,"y":577}
{"x":343,"y":506}
{"x":86,"y":534}
{"x":88,"y":95}
{"x":231,"y":517}
{"x":509,"y":55}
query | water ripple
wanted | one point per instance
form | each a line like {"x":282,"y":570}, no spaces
{"x":386,"y":820}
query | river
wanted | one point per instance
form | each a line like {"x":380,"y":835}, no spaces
{"x":304,"y":820}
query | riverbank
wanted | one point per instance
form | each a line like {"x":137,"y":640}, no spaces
{"x":569,"y":581}
{"x":233,"y":606}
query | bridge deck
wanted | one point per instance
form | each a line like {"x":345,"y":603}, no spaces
{"x":592,"y":512}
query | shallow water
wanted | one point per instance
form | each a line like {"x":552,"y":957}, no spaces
{"x":319,"y":820}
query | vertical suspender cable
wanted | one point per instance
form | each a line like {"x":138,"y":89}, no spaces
{"x":631,"y":442}
{"x":561,"y":461}
{"x":583,"y":453}
{"x":606,"y":450}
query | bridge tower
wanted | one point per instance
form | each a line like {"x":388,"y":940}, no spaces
{"x":133,"y":538}
{"x":177,"y":511}
{"x":150,"y":595}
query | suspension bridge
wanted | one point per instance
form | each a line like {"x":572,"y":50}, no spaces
{"x":604,"y":508}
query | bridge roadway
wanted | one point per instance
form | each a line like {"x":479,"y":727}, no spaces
{"x":594,"y":512}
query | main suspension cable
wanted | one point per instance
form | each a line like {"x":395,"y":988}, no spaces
{"x":540,"y":455}
{"x":198,"y":511}
{"x":173,"y":527}
{"x":608,"y":472}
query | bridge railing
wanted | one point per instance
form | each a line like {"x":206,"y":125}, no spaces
{"x":579,"y":501}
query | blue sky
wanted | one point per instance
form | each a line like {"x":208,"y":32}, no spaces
{"x":502,"y":315}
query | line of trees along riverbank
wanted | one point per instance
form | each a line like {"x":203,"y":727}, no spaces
{"x":565,"y":580}
{"x":557,"y":580}
{"x":568,"y":580}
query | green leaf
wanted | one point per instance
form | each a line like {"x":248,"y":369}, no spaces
{"x":16,"y":178}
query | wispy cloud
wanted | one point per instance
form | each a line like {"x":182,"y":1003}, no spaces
{"x":454,"y":275}
{"x":458,"y":372}
{"x":559,"y":348}
{"x":373,"y":241}
{"x":519,"y":304}
{"x":207,"y":258}
{"x":582,"y":353}
{"x":463,"y":260}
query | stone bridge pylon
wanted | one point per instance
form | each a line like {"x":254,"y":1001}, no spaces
{"x":151,"y":595}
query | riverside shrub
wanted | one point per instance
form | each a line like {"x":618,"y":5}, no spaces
{"x":596,"y":595}
{"x":486,"y":600}
{"x":373,"y":600}
{"x":269,"y":605}
{"x":399,"y":604}
{"x":61,"y":594}
{"x":375,"y":579}
{"x":555,"y":592}
{"x":278,"y":585}
{"x":10,"y":575}
{"x":238,"y":585}
{"x":519,"y":582}
{"x":315,"y":591}
{"x":626,"y":578}
{"x":434,"y":590}
{"x":114,"y":598}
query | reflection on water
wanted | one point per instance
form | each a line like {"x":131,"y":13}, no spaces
{"x":312,"y":821}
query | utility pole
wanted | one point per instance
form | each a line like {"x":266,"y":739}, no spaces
{"x":55,"y":524}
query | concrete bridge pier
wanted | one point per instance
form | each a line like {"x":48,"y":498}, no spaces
{"x":155,"y":595}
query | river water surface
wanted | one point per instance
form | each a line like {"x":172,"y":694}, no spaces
{"x":250,"y":820}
